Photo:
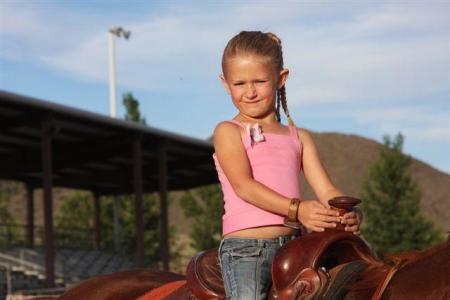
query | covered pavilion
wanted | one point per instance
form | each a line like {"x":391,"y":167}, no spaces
{"x":46,"y":145}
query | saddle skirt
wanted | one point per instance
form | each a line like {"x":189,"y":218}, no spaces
{"x":300,"y":269}
{"x":204,"y":275}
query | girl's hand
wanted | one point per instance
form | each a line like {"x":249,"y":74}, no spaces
{"x":352,"y":220}
{"x":316,"y":217}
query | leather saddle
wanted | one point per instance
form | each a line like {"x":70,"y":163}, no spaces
{"x":297,"y":269}
{"x":204,"y":275}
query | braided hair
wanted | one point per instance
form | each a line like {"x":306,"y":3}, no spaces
{"x":264,"y":44}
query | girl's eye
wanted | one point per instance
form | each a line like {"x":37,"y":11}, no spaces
{"x":255,"y":82}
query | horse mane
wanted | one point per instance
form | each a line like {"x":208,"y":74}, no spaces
{"x":377,"y":269}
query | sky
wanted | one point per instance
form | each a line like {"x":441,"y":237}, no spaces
{"x":369,"y":68}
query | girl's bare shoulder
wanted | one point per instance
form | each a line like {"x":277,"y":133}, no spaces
{"x":226,"y":126}
{"x":304,"y":135}
{"x":226,"y":129}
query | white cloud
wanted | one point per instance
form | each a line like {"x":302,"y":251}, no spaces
{"x":428,"y":134}
{"x":159,"y":52}
{"x":385,"y":53}
{"x":339,"y":60}
{"x":31,"y":31}
{"x":416,"y":124}
{"x":401,"y":114}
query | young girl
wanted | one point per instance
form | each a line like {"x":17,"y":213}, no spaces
{"x":258,"y":161}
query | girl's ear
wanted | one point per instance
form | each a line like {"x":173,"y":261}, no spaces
{"x":225,"y":83}
{"x":284,"y":74}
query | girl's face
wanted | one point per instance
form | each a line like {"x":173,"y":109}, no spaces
{"x":252,"y":83}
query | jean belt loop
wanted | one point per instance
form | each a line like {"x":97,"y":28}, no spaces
{"x":280,"y":241}
{"x":218,"y":252}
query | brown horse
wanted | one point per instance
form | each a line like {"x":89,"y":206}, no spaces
{"x":420,"y":275}
{"x":121,"y":285}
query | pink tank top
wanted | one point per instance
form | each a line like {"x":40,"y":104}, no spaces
{"x":275,"y":162}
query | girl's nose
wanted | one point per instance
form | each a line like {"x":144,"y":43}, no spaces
{"x":251,"y":91}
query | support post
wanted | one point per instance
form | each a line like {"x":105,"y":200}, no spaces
{"x":96,"y":242}
{"x":137,"y":180}
{"x":30,"y":217}
{"x":164,"y":227}
{"x":46,"y":146}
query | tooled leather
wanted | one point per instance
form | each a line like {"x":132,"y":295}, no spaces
{"x":204,"y":277}
{"x":310,"y":252}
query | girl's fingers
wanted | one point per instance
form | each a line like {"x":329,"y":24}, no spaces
{"x":350,"y":221}
{"x":353,"y":228}
{"x":328,"y":218}
{"x":324,"y":224}
{"x":326,"y":212}
{"x":349,"y":215}
{"x":315,"y":228}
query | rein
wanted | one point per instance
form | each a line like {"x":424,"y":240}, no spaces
{"x":389,"y":275}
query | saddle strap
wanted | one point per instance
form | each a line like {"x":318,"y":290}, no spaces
{"x":382,"y":287}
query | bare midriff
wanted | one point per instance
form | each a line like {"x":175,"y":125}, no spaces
{"x":265,"y":232}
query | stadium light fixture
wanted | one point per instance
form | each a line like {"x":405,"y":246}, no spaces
{"x":119,"y":32}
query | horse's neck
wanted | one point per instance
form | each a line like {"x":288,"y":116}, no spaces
{"x":427,"y":272}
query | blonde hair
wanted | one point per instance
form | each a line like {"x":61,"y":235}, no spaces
{"x":266,"y":45}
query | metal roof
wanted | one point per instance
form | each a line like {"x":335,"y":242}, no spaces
{"x":94,"y":152}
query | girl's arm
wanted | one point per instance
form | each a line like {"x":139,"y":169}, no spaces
{"x":320,"y":182}
{"x":233,"y":159}
{"x":314,"y":171}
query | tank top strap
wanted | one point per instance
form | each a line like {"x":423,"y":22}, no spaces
{"x":294,"y":135}
{"x":246,"y":138}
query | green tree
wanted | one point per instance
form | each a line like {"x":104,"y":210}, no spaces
{"x":74,"y":224}
{"x":205,"y":206}
{"x":9,"y":234}
{"x":74,"y":221}
{"x":393,"y":220}
{"x":128,"y":229}
{"x":9,"y":229}
{"x":132,"y":109}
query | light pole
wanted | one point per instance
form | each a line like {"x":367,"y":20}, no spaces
{"x":119,"y":32}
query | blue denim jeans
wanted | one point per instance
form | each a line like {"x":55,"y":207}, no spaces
{"x":246,"y":266}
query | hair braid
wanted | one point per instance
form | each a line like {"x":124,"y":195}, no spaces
{"x":282,"y":96}
{"x":277,"y":107}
